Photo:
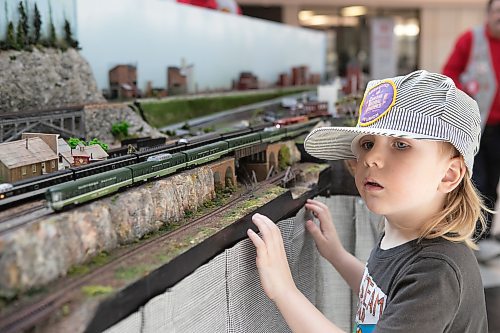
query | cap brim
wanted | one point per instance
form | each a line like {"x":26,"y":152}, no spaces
{"x":335,"y":143}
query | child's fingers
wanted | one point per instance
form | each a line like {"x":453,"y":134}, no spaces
{"x":270,"y":231}
{"x":256,"y":240}
{"x":262,"y":258}
{"x":323,"y":214}
{"x":271,"y":234}
{"x":315,"y":206}
{"x":317,"y":203}
{"x":315,"y":232}
{"x":318,"y":211}
{"x":261,"y":223}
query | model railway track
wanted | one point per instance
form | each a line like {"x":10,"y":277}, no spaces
{"x":21,"y":210}
{"x":22,"y":215}
{"x":28,"y":316}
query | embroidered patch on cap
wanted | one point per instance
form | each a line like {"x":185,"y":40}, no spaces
{"x":377,"y":102}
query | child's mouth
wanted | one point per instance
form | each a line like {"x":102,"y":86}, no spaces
{"x":372,"y":185}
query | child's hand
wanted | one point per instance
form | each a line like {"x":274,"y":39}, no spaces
{"x":325,"y":236}
{"x":272,"y":263}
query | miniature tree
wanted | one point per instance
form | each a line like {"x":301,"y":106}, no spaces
{"x":96,"y":141}
{"x":11,"y":37}
{"x":23,"y":18}
{"x":22,"y":28}
{"x":52,"y":42}
{"x":52,"y":35}
{"x":68,"y":35}
{"x":21,"y":37}
{"x":120,"y":130}
{"x":37,"y":24}
{"x":73,"y":142}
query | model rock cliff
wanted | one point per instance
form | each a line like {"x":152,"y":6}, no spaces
{"x":45,"y":78}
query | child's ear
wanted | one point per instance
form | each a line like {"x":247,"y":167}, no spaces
{"x":453,"y":176}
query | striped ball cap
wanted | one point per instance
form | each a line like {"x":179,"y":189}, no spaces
{"x":420,"y":105}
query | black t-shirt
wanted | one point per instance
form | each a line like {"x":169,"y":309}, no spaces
{"x":430,"y":286}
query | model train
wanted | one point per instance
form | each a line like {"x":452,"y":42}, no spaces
{"x":34,"y":187}
{"x":153,"y":164}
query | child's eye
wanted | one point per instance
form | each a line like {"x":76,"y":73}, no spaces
{"x":366,"y":145}
{"x":401,"y":145}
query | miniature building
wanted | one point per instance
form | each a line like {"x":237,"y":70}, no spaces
{"x":284,"y":80}
{"x":96,"y":153}
{"x":25,"y":159}
{"x":353,"y":82}
{"x":247,"y":81}
{"x":80,"y":159}
{"x":80,"y":155}
{"x":123,"y":82}
{"x":58,"y":145}
{"x":48,"y":138}
{"x":314,"y":79}
{"x":176,"y":81}
{"x":151,"y":91}
{"x":313,"y":107}
{"x":299,"y":75}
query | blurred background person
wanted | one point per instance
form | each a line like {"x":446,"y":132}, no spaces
{"x":474,"y":65}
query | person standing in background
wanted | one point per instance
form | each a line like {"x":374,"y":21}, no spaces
{"x":474,"y":65}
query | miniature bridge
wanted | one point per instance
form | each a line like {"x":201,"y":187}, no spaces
{"x":66,"y":121}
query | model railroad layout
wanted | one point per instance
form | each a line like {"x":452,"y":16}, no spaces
{"x":78,"y":185}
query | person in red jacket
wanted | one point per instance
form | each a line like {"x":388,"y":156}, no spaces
{"x":474,"y":65}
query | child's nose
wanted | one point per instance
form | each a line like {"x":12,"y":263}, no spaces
{"x":374,"y":157}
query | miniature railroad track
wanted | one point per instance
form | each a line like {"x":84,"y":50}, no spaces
{"x":31,"y":314}
{"x":22,"y":215}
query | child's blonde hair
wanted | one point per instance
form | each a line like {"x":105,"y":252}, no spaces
{"x":463,"y":209}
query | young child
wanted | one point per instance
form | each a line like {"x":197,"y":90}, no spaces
{"x":414,"y":143}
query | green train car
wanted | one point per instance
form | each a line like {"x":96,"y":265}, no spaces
{"x":158,"y":166}
{"x":201,"y":155}
{"x":88,"y":188}
{"x":243,"y":141}
{"x":273,"y":134}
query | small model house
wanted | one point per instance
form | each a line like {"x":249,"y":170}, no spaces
{"x":80,"y":158}
{"x":96,"y":153}
{"x":26,"y":158}
{"x":80,"y":155}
